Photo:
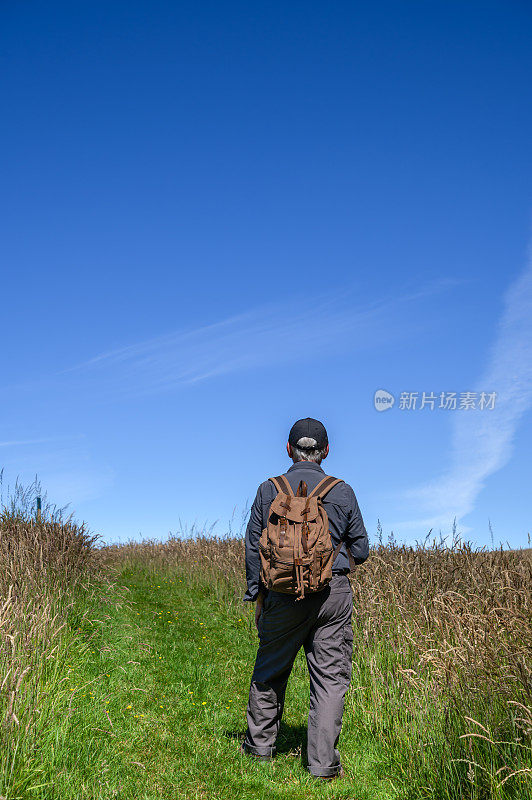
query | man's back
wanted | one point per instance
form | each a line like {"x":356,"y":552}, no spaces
{"x":345,"y":522}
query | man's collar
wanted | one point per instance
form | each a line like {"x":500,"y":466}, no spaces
{"x":306,"y":465}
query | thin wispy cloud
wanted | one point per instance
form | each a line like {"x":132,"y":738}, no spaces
{"x":292,"y":331}
{"x":482,"y":441}
{"x":21,"y":442}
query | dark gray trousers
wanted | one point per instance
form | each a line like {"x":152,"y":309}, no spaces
{"x":321,"y":623}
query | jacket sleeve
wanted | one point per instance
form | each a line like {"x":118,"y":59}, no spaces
{"x":253,"y":532}
{"x":356,"y":537}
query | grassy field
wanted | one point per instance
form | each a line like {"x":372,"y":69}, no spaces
{"x":125,"y":674}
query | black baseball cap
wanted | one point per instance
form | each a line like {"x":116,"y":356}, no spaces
{"x":311,"y":428}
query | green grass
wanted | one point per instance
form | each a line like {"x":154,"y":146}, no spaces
{"x":148,"y":696}
{"x":145,"y":697}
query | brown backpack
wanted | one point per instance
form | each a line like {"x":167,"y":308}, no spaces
{"x":296,"y":552}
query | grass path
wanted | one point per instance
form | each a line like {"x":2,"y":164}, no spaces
{"x":158,"y":702}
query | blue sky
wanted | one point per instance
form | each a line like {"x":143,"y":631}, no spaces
{"x":220,"y":217}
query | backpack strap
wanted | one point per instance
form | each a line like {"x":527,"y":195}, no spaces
{"x":351,"y":559}
{"x":324,"y":486}
{"x":282,"y":485}
{"x":337,"y":549}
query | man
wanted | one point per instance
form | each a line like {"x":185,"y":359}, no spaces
{"x":320,"y":621}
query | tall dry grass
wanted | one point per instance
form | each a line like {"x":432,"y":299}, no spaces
{"x":42,"y":563}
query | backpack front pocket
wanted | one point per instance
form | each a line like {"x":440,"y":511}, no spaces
{"x":264,"y":555}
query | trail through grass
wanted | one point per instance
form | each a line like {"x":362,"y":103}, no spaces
{"x":150,"y":698}
{"x":180,"y":706}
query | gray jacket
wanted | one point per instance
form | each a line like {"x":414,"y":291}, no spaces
{"x":345,"y":520}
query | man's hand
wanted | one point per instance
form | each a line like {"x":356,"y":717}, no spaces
{"x":258,"y":609}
